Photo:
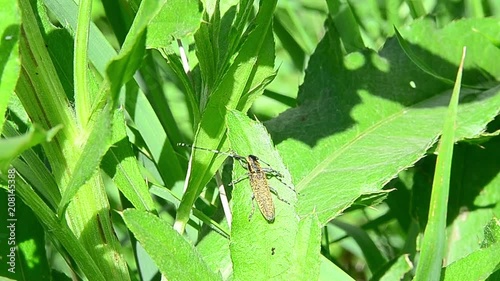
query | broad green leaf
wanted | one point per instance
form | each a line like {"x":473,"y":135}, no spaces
{"x":236,"y":81}
{"x":422,"y":39}
{"x":9,"y":54}
{"x":329,"y":271}
{"x":307,"y":249}
{"x":269,"y":243}
{"x":363,"y":118}
{"x":476,"y":266}
{"x":176,"y":258}
{"x":11,"y":148}
{"x":176,"y":19}
{"x":214,"y":249}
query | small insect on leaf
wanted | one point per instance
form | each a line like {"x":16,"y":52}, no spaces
{"x":257,"y":175}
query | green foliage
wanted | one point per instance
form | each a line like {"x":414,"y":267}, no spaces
{"x":94,"y":99}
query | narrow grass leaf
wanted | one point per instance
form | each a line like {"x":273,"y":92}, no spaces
{"x":371,"y":253}
{"x":347,"y":25}
{"x":40,"y":79}
{"x":100,"y":54}
{"x":34,"y":170}
{"x":123,"y":67}
{"x":157,"y":141}
{"x":11,"y":148}
{"x":176,"y":258}
{"x":120,"y":164}
{"x":60,"y":232}
{"x":434,"y":241}
{"x":29,"y":259}
{"x":295,"y":26}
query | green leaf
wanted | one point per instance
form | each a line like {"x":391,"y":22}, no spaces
{"x":236,"y":81}
{"x":30,"y":257}
{"x":11,"y":148}
{"x":88,"y":162}
{"x":347,"y":25}
{"x":156,"y":139}
{"x":329,"y":271}
{"x":307,"y":249}
{"x":470,"y":209}
{"x":40,"y":79}
{"x":476,"y":266}
{"x":176,"y":19}
{"x":123,"y":67}
{"x":100,"y":50}
{"x":434,"y":241}
{"x":214,"y":249}
{"x":59,"y":231}
{"x":10,"y":64}
{"x":363,"y":118}
{"x":34,"y":170}
{"x":285,"y":248}
{"x":83,"y":95}
{"x":120,"y":164}
{"x":119,"y":71}
{"x":491,"y":233}
{"x":176,"y":258}
{"x":421,"y":40}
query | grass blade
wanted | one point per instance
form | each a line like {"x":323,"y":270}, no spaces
{"x":433,"y":245}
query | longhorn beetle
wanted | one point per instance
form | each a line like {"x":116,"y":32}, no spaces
{"x":257,"y":176}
